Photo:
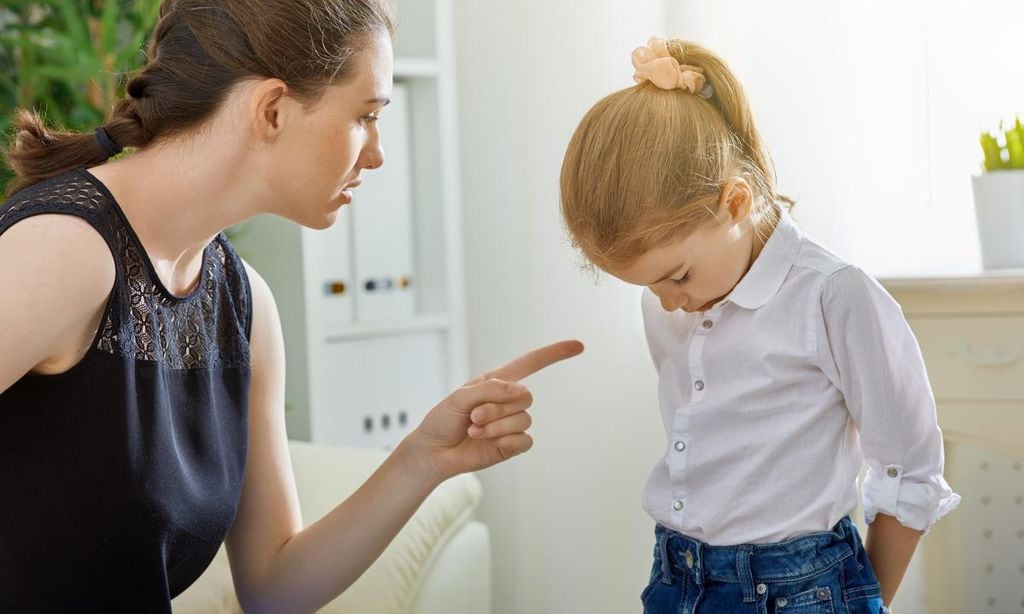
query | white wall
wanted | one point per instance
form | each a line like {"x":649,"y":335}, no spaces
{"x":569,"y":533}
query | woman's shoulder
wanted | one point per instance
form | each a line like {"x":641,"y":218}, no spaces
{"x":62,"y":248}
{"x":60,"y":226}
{"x":71,"y":194}
{"x":62,"y":276}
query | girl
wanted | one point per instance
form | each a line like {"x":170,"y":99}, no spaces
{"x":142,"y":362}
{"x":779,"y":364}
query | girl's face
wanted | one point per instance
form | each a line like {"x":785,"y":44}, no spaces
{"x":699,"y":270}
{"x":320,"y":152}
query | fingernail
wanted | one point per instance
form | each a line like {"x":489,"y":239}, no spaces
{"x":516,"y":388}
{"x":474,"y":431}
{"x":477,"y":415}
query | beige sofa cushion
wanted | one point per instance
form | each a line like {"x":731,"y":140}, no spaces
{"x":324,"y":477}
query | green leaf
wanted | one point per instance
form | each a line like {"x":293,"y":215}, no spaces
{"x":74,"y":22}
{"x":108,"y":22}
{"x":49,"y":58}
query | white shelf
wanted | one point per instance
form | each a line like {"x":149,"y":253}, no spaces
{"x":412,"y":68}
{"x":420,"y":324}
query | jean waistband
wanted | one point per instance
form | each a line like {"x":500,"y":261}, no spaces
{"x":748,"y":564}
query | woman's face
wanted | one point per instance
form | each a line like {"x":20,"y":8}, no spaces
{"x":317,"y":157}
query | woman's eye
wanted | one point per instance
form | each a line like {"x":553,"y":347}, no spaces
{"x":683,"y":279}
{"x":370,"y":118}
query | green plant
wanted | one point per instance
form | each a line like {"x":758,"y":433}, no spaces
{"x":68,"y":58}
{"x":1007,"y":152}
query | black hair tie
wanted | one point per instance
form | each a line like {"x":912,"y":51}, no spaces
{"x":106,"y":143}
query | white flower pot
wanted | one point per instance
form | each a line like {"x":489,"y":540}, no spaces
{"x":999,"y":203}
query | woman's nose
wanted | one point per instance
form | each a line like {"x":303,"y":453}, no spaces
{"x":372,"y":155}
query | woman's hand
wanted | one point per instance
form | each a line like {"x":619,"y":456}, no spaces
{"x":484,"y":422}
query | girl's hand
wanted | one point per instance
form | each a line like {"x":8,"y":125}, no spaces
{"x":484,"y":422}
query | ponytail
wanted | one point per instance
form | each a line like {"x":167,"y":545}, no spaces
{"x":731,"y":102}
{"x":37,"y":153}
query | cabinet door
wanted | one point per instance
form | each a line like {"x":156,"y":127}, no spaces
{"x":377,"y":390}
{"x":332,"y":278}
{"x":973,"y":358}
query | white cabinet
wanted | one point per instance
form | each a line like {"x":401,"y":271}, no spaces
{"x":381,"y":231}
{"x":971,"y":332}
{"x":379,"y":387}
{"x":372,"y":308}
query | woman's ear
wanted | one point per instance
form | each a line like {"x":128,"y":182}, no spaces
{"x":268,"y":108}
{"x":736,"y":201}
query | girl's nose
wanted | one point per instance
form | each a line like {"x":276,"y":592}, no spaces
{"x":672,"y":301}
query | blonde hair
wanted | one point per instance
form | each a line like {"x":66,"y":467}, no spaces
{"x":646,"y":165}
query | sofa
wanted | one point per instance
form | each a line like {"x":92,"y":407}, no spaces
{"x":438,"y":564}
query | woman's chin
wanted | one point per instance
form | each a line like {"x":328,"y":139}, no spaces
{"x":316,"y":220}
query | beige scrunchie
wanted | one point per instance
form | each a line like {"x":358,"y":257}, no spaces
{"x":655,"y":64}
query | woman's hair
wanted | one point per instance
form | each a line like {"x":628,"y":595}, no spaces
{"x":199,"y":51}
{"x":646,"y":165}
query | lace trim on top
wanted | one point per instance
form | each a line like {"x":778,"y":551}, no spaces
{"x":208,"y":328}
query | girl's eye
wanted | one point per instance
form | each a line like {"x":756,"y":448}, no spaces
{"x":683,"y":279}
{"x":370,"y":118}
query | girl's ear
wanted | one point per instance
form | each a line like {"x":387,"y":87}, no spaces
{"x":736,"y":201}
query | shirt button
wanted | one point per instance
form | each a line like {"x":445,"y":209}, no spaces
{"x":707,"y":324}
{"x":781,"y":602}
{"x":892,"y":472}
{"x":680,"y":446}
{"x":762,"y":589}
{"x":699,"y":384}
{"x":678,"y":505}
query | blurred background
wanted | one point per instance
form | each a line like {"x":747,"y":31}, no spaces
{"x":453,"y":258}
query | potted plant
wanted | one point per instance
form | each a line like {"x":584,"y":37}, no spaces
{"x":999,"y":197}
{"x":68,"y":58}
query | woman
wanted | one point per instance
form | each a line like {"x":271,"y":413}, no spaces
{"x":141,"y":360}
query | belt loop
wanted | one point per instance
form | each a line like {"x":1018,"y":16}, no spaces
{"x":852,"y":532}
{"x":698,"y":563}
{"x":853,"y":539}
{"x":743,"y":554}
{"x":666,"y":564}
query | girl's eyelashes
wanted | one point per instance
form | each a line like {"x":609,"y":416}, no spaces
{"x":372,"y":117}
{"x":685,"y":278}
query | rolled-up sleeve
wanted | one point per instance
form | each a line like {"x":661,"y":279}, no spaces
{"x":871,"y":355}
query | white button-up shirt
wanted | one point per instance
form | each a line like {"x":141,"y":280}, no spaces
{"x":774,"y":397}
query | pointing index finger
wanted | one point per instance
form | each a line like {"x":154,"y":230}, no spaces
{"x":534,"y":361}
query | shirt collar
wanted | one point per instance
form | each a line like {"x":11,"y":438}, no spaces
{"x":766,"y":275}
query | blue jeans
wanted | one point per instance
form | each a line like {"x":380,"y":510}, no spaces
{"x":820,"y":573}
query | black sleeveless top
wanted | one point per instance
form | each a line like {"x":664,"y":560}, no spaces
{"x":121,"y":476}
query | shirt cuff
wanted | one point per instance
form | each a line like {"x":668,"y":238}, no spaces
{"x":915,"y":504}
